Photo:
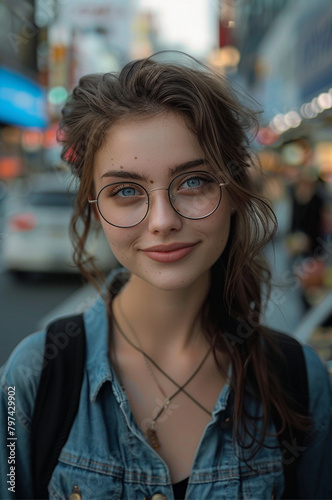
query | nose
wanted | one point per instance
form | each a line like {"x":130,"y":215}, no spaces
{"x":162,"y":217}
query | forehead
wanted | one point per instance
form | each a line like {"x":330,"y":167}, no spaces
{"x":147,"y":144}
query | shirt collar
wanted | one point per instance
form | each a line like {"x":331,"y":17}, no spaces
{"x":97,"y":339}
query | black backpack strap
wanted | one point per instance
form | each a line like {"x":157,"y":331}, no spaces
{"x":57,"y":398}
{"x":294,"y":381}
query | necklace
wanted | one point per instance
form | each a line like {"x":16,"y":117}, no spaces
{"x":146,"y":362}
{"x":147,"y":357}
{"x":152,"y":432}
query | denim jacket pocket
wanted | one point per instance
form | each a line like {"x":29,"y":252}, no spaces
{"x":94,"y":479}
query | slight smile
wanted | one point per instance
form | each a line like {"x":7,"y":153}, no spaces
{"x":169,"y":253}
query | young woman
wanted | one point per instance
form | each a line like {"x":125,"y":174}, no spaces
{"x":182,"y":394}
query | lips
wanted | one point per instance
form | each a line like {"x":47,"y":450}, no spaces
{"x":169,"y":253}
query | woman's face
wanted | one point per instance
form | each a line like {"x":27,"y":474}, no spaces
{"x":165,"y":249}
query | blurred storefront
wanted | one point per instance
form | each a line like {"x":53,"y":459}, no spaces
{"x":23,"y":103}
{"x":286,"y":61}
{"x":23,"y":119}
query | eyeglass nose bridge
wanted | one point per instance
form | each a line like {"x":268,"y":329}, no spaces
{"x":159,"y":189}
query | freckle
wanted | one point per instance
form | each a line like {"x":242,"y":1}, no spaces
{"x":151,"y":182}
{"x":121,"y":166}
{"x":135,"y":157}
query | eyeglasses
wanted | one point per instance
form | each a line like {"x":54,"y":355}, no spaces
{"x":193,"y":195}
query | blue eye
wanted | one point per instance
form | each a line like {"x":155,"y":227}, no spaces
{"x":124,"y":191}
{"x":128,"y":191}
{"x":196,"y":182}
{"x":193,"y":182}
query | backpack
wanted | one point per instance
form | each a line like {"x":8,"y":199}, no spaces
{"x":57,"y":398}
{"x":59,"y":389}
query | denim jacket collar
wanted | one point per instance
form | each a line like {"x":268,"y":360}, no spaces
{"x":99,"y":367}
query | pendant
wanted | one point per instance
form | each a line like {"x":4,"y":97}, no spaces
{"x":153,"y":438}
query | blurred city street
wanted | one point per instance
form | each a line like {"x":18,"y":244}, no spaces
{"x":23,"y":304}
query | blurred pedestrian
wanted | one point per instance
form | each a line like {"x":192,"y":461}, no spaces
{"x":307,"y":207}
{"x":182,"y":393}
{"x":306,"y":226}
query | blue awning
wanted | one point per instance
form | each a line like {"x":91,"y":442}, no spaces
{"x":22,"y":101}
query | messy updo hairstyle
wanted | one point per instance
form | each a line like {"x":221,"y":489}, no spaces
{"x":224,"y":128}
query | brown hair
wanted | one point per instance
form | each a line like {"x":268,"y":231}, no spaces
{"x":222,"y":126}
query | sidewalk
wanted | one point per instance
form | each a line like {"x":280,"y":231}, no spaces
{"x":285,"y":309}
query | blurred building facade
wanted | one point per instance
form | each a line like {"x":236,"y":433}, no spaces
{"x":253,"y":20}
{"x":18,"y":37}
{"x":22,"y":98}
{"x":45,"y":46}
{"x":286,"y":60}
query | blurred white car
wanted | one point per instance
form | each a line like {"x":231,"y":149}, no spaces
{"x":36,"y":229}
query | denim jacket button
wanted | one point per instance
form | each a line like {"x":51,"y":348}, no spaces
{"x":157,"y":496}
{"x":76,"y":494}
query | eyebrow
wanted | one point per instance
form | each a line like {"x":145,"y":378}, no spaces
{"x":174,"y":170}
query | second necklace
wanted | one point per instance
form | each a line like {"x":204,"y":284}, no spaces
{"x":152,"y":432}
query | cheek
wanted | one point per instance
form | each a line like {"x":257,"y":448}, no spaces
{"x":218,"y":230}
{"x":218,"y":224}
{"x":118,"y":239}
{"x":114,"y":237}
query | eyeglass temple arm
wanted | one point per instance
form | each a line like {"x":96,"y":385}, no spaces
{"x":92,"y":201}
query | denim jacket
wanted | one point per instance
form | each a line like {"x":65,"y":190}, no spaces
{"x":108,"y":457}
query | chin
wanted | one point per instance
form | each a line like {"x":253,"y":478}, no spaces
{"x":173,"y":279}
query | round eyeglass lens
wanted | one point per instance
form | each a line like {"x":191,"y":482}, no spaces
{"x":123,"y":204}
{"x":195,"y":195}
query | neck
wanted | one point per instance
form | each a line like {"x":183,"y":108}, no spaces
{"x":162,"y":319}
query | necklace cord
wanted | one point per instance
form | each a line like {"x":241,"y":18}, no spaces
{"x":140,"y":346}
{"x":180,"y":388}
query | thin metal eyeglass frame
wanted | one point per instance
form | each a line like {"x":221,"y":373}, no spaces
{"x":220,"y":185}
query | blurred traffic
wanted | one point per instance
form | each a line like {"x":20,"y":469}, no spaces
{"x":279,"y":51}
{"x":36,"y":223}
